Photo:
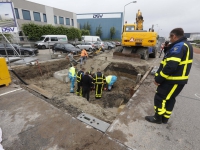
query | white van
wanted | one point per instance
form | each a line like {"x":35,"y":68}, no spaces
{"x":91,"y":38}
{"x":49,"y":40}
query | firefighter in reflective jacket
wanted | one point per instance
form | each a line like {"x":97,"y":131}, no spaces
{"x":80,"y":75}
{"x":99,"y":80}
{"x":72,"y":77}
{"x":110,"y":80}
{"x":171,"y":76}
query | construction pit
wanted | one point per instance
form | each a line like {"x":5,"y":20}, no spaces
{"x":40,"y":77}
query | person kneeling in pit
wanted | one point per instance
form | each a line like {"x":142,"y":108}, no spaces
{"x":110,"y":80}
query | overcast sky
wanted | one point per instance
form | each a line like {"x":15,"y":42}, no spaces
{"x":168,"y":14}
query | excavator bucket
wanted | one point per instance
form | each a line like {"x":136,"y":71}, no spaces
{"x":131,"y":56}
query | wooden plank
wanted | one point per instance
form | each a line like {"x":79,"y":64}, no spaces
{"x":40,"y":91}
{"x":143,"y":78}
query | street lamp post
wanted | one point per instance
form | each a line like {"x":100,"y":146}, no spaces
{"x":124,"y":12}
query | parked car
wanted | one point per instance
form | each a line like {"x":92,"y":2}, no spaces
{"x":49,"y":40}
{"x":97,"y":45}
{"x":87,"y":46}
{"x":89,"y":38}
{"x":118,"y":43}
{"x":21,"y":50}
{"x":110,"y":45}
{"x":65,"y":48}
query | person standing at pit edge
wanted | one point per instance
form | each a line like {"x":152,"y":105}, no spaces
{"x":171,"y":76}
{"x":80,"y":75}
{"x":84,"y":55}
{"x":72,"y":77}
{"x":72,"y":61}
{"x":99,"y":80}
{"x":86,"y":83}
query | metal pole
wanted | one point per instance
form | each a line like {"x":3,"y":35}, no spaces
{"x":6,"y":53}
{"x":124,"y":12}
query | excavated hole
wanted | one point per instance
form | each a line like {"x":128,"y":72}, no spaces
{"x":106,"y":108}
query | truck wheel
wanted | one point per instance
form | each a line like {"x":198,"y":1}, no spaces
{"x":143,"y":52}
{"x":153,"y":55}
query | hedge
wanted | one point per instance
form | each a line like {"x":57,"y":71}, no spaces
{"x":35,"y":31}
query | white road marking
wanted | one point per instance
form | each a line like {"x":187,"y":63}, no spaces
{"x":197,"y":95}
{"x":10,"y":92}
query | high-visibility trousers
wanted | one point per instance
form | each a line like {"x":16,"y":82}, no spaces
{"x":165,"y":99}
{"x":79,"y":90}
{"x":98,"y":90}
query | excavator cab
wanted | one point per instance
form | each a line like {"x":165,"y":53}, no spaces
{"x":137,"y":42}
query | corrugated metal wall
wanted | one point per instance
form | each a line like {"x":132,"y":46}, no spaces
{"x":106,"y":24}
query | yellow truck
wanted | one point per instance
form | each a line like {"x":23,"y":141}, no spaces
{"x":138,"y":42}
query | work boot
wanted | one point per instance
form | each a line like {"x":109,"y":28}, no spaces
{"x":164,"y":120}
{"x":154,"y":119}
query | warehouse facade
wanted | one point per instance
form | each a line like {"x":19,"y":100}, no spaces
{"x":27,"y":12}
{"x":104,"y":20}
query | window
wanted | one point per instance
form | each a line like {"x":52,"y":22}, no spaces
{"x":67,"y":21}
{"x":54,"y":39}
{"x":37,"y":16}
{"x":55,"y":19}
{"x":26,"y":15}
{"x":17,"y":13}
{"x":47,"y":39}
{"x":45,"y":17}
{"x":129,"y":28}
{"x":61,"y":20}
{"x":72,"y":22}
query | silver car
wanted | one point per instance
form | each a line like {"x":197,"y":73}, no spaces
{"x":89,"y":46}
{"x":101,"y":44}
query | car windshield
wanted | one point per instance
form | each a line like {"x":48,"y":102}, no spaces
{"x":69,"y":46}
{"x":42,"y":38}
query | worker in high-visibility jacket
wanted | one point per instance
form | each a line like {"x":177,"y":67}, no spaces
{"x":84,"y":56}
{"x":171,"y":76}
{"x":110,"y":80}
{"x":99,"y":80}
{"x":79,"y":76}
{"x":72,"y":77}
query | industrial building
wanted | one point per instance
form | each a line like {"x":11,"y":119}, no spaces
{"x":105,"y":21}
{"x":27,"y":11}
{"x":193,"y":36}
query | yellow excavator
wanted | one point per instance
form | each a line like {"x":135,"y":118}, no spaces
{"x":137,"y":42}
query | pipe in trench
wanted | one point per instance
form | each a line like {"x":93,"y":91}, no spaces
{"x":18,"y":77}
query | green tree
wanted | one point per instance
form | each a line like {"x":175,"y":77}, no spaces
{"x":34,"y":31}
{"x":87,"y":26}
{"x":112,"y":32}
{"x":99,"y":31}
{"x":85,"y":32}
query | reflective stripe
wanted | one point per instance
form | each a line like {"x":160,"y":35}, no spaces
{"x":173,"y":59}
{"x":185,"y":63}
{"x":178,"y":78}
{"x":167,"y":116}
{"x":156,"y":74}
{"x":168,"y":112}
{"x":172,"y":91}
{"x":162,"y":110}
{"x":187,"y":58}
{"x":163,"y":75}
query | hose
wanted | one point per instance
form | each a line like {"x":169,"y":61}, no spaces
{"x":18,"y":77}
